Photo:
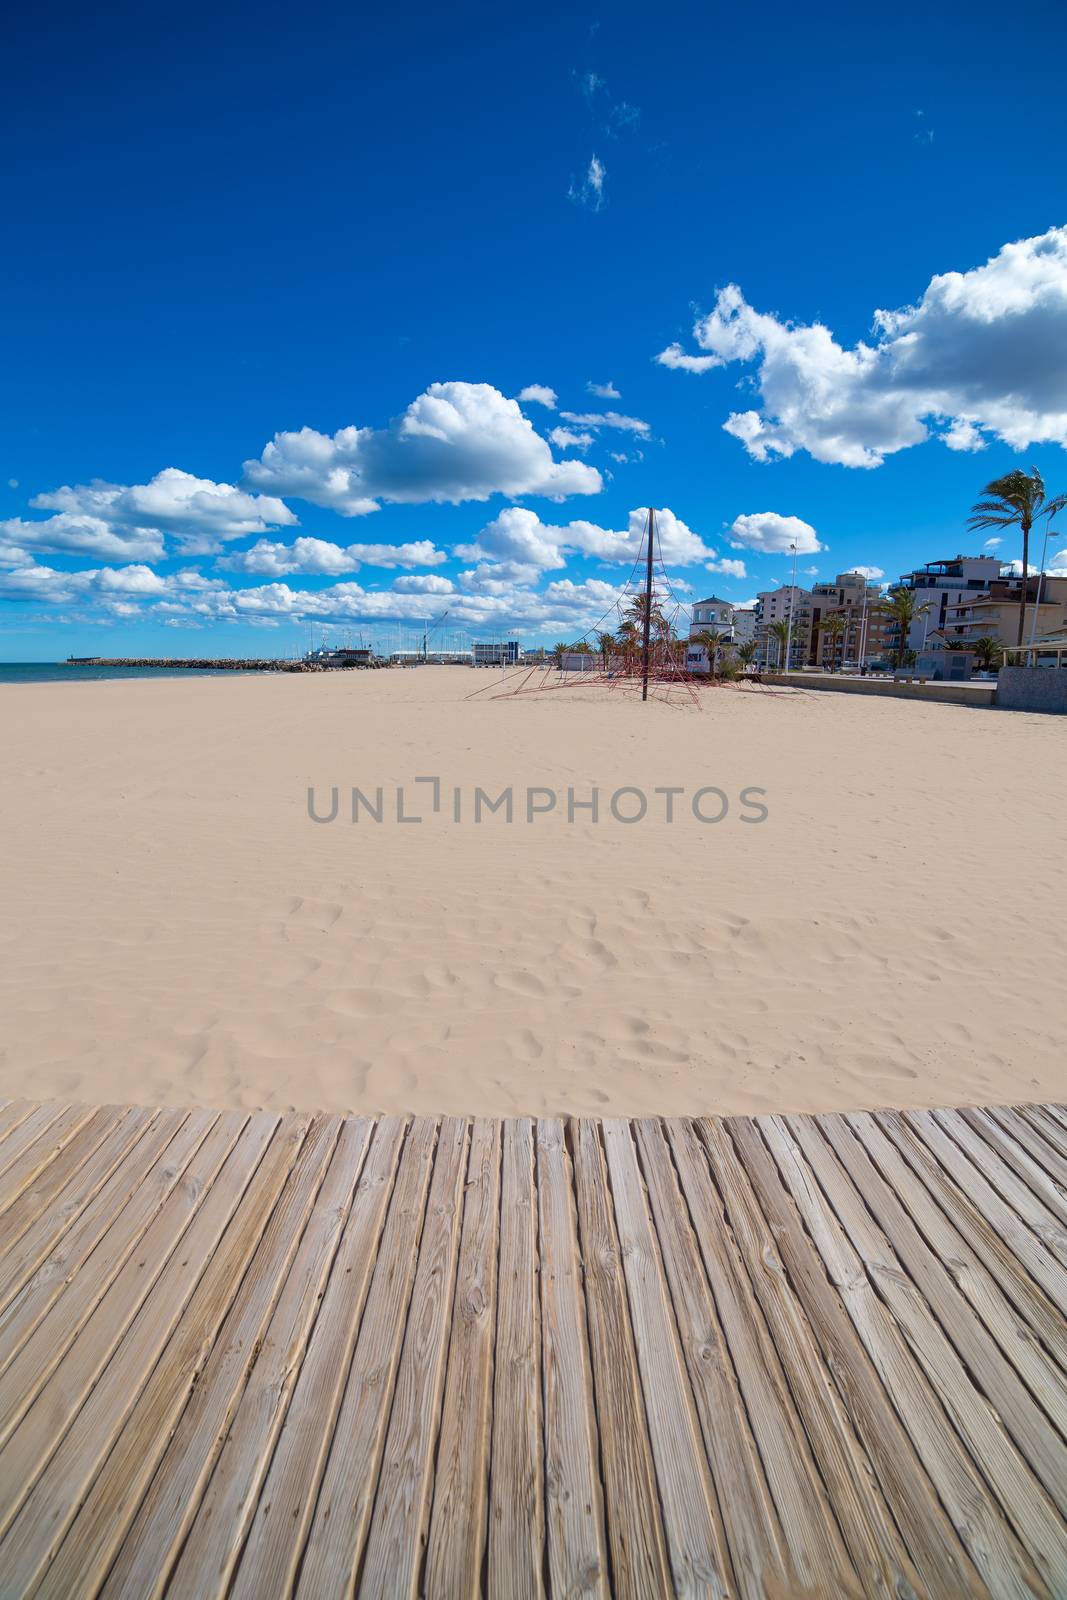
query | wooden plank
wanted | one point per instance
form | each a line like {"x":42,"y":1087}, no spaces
{"x":965,"y":1269}
{"x":1044,"y":1119}
{"x":631,"y":1502}
{"x":271,"y":1556}
{"x":695,"y":1540}
{"x":1041,"y":1317}
{"x":66,"y":1260}
{"x":813,"y":1541}
{"x":461,"y":1483}
{"x":1014,"y":1154}
{"x":12,"y":1113}
{"x":43,"y":1141}
{"x":1011,"y":1188}
{"x":222,"y":1518}
{"x":754,"y":1535}
{"x":1005,"y":1469}
{"x":517,"y":1510}
{"x":870,"y":1535}
{"x":396,"y":1537}
{"x":1017,"y":1237}
{"x":139,"y":1564}
{"x":338,"y":1529}
{"x":173,"y":1328}
{"x":942,"y":1564}
{"x":988,"y":1538}
{"x":1025,"y":1132}
{"x":43,"y":1212}
{"x":28,"y":1130}
{"x":574,"y":1512}
{"x":163,"y":1206}
{"x":1040,"y":1452}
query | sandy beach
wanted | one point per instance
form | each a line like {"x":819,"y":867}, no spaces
{"x":177,"y":929}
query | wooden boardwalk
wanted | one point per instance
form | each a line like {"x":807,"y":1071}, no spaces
{"x":252,"y":1356}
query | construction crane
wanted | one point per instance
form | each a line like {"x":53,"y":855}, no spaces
{"x":430,"y":627}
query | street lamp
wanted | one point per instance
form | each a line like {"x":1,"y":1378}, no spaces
{"x":792,"y":603}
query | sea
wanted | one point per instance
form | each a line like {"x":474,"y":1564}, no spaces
{"x":60,"y":672}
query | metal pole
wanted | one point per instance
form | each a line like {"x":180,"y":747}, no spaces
{"x":792,"y":603}
{"x":1040,"y":584}
{"x":648,"y":602}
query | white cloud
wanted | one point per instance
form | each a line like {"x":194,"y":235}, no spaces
{"x":567,"y":439}
{"x":870,"y":573}
{"x":67,"y":534}
{"x":197,"y":512}
{"x":539,"y":394}
{"x":769,"y":532}
{"x":424,"y":584}
{"x":604,"y":391}
{"x":811,"y":572}
{"x":12,"y":483}
{"x":981,"y":353}
{"x":728,"y":567}
{"x":589,"y":191}
{"x":991,"y":544}
{"x":519,"y":535}
{"x":607,"y":419}
{"x":457,"y":441}
{"x":320,"y":556}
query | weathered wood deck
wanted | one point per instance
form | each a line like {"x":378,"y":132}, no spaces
{"x":251,"y":1356}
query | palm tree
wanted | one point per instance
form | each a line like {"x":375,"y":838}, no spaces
{"x":781,"y":631}
{"x":606,"y":645}
{"x":833,"y":627}
{"x":1017,"y":499}
{"x":713,"y":642}
{"x":899,"y":606}
{"x":989,"y":653}
{"x":558,"y":653}
{"x":746,"y":653}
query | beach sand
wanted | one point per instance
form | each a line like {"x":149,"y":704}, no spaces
{"x":177,"y":930}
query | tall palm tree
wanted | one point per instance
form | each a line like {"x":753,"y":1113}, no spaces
{"x":781,"y":631}
{"x":713,"y":641}
{"x":606,"y":645}
{"x":832,"y":627}
{"x":899,"y":606}
{"x":1016,"y":500}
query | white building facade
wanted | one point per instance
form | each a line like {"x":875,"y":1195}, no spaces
{"x":941,"y":586}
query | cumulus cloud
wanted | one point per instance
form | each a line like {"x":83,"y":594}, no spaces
{"x":567,"y":439}
{"x":870,"y":573}
{"x":769,"y":532}
{"x":519,"y":535}
{"x":728,"y":567}
{"x":425,"y":583}
{"x":603,"y":391}
{"x":979,"y":355}
{"x":539,"y":394}
{"x":68,"y":534}
{"x":607,"y":419}
{"x":111,"y":518}
{"x":588,"y":191}
{"x":457,"y":441}
{"x":320,"y":556}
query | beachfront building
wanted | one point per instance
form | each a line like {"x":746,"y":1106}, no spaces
{"x":496,"y":653}
{"x":995,"y":614}
{"x":940,"y":585}
{"x":744,"y":624}
{"x":712,"y":616}
{"x":861,"y":635}
{"x":776,"y":605}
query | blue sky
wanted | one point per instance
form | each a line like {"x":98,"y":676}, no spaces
{"x":225,"y":227}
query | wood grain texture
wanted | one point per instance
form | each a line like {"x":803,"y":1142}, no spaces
{"x":772,"y":1357}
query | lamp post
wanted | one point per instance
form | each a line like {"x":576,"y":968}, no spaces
{"x":792,"y":603}
{"x":1040,"y":584}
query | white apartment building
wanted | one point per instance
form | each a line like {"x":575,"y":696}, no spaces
{"x":744,"y":624}
{"x":776,"y":605}
{"x":943,"y":585}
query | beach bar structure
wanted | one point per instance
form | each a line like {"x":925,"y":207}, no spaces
{"x":248,"y":1355}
